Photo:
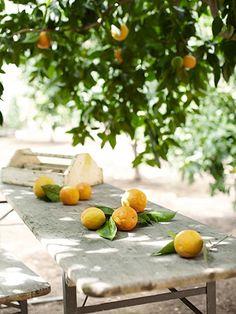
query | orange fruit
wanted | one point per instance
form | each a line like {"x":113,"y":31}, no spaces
{"x":189,"y":61}
{"x":121,"y":33}
{"x":125,"y":218}
{"x":92,"y":218}
{"x":69,"y":195}
{"x":85,"y":191}
{"x":134,"y":198}
{"x":188,"y":243}
{"x":118,"y":55}
{"x":44,"y":40}
{"x":37,"y":187}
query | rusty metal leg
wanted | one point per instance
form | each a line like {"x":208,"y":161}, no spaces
{"x":69,"y":296}
{"x":187,"y":302}
{"x":23,"y":307}
{"x":145,"y":300}
{"x":211,"y":297}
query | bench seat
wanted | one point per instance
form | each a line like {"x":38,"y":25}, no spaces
{"x":18,"y":282}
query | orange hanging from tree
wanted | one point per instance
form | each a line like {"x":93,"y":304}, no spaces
{"x":189,"y":61}
{"x":119,"y":34}
{"x":44,"y":41}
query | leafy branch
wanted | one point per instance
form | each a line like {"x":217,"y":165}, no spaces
{"x":84,"y":28}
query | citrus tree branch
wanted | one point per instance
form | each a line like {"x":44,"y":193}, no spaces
{"x":84,"y":28}
{"x":110,"y":9}
{"x":213,"y":7}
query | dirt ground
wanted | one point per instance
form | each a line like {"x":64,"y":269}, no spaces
{"x":163,"y":186}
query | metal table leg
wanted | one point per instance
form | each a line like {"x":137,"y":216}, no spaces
{"x":69,"y":294}
{"x":23,"y":307}
{"x":70,"y":301}
{"x":211,"y":297}
{"x":5,"y":215}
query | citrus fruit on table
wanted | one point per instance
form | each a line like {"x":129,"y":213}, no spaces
{"x":85,"y":191}
{"x":37,"y":187}
{"x":44,"y":41}
{"x":92,"y":218}
{"x":189,"y":61}
{"x":125,"y":218}
{"x":188,"y":243}
{"x":69,"y":195}
{"x":134,"y":198}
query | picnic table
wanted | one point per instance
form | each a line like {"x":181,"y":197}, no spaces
{"x":101,"y":268}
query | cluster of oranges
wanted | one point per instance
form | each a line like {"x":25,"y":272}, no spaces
{"x":188,"y":62}
{"x":187,"y":243}
{"x":120,"y":34}
{"x":133,"y":201}
{"x":69,"y":195}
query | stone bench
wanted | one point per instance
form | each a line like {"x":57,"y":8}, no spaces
{"x":18,"y":283}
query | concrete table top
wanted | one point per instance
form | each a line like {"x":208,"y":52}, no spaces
{"x":100,"y":267}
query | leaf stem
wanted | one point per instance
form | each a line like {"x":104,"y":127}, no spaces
{"x":214,"y":245}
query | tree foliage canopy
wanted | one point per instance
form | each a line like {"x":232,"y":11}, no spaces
{"x":208,"y":142}
{"x":142,"y":93}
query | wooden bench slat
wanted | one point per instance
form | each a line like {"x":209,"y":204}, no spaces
{"x":17,"y":281}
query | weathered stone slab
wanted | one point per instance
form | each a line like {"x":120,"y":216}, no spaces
{"x":17,"y":281}
{"x":100,"y":267}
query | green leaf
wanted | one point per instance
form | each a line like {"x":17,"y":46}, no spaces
{"x":112,"y":140}
{"x":148,"y":217}
{"x":2,"y":5}
{"x":217,"y":73}
{"x":108,"y":211}
{"x":229,"y":47}
{"x":31,"y":37}
{"x":172,"y":142}
{"x":143,"y":218}
{"x":227,"y":71}
{"x":52,"y":192}
{"x":212,"y":59}
{"x":163,"y":216}
{"x":217,"y":25}
{"x":138,"y":160}
{"x":1,"y":118}
{"x":108,"y":230}
{"x":167,"y":249}
{"x":45,"y":199}
{"x":1,"y":89}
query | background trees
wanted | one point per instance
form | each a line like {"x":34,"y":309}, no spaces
{"x":143,"y":92}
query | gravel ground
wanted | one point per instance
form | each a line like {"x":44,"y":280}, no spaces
{"x":161,"y":186}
